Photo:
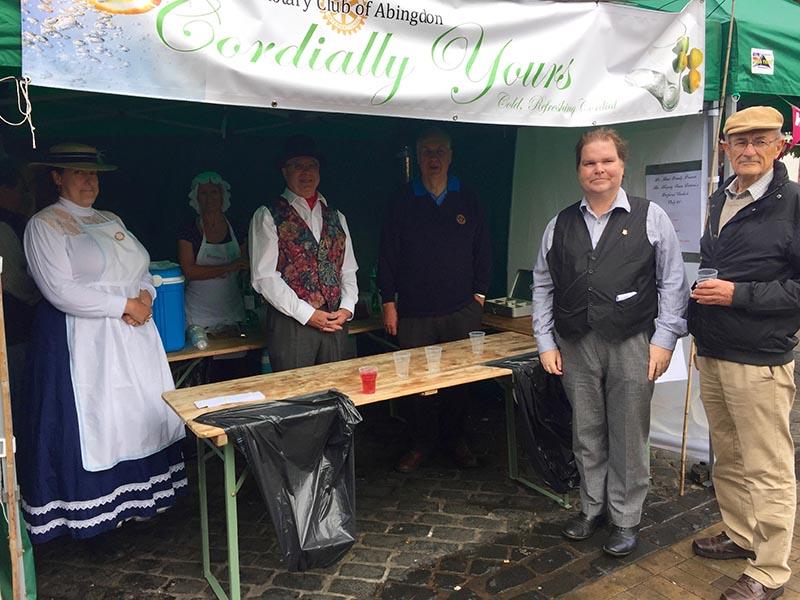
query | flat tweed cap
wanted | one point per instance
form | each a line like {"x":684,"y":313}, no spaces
{"x":753,"y":118}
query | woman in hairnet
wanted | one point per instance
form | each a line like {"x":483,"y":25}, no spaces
{"x":211,"y":252}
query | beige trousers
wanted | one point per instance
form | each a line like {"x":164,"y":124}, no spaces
{"x":748,"y":413}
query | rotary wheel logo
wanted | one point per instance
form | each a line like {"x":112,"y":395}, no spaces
{"x":350,"y":17}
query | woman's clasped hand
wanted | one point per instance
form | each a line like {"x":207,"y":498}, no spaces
{"x":138,"y":311}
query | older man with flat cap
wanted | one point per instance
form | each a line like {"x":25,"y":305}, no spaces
{"x":303,"y":264}
{"x":744,"y":323}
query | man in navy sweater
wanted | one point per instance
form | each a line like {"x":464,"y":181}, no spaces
{"x":434,"y":271}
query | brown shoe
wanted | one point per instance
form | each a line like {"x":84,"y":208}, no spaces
{"x":463,"y":456}
{"x":720,"y":547}
{"x":747,"y":588}
{"x":410,"y":462}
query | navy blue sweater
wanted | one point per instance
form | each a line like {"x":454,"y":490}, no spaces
{"x":434,"y":258}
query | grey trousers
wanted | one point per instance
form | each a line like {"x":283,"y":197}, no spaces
{"x":607,"y":386}
{"x":439,"y":419}
{"x":292,"y":345}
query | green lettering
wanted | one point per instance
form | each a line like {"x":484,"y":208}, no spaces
{"x":343,"y":68}
{"x":259,"y":50}
{"x":298,"y":49}
{"x":187,"y":29}
{"x":224,"y":42}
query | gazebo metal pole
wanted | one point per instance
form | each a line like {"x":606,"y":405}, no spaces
{"x":714,"y":161}
{"x":7,"y":461}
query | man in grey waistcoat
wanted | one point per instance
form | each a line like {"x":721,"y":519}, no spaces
{"x":609,"y":294}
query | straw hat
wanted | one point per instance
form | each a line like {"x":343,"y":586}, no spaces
{"x":74,"y":156}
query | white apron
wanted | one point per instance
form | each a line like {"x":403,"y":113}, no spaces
{"x":218,"y":301}
{"x":119,"y":371}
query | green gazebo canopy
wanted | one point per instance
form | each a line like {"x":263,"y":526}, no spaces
{"x":762,"y":24}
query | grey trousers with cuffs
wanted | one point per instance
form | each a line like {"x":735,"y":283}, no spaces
{"x":292,"y":345}
{"x":607,"y":386}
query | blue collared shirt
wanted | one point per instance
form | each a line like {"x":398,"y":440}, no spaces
{"x":453,"y":185}
{"x":671,"y":281}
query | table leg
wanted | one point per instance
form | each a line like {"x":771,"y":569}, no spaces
{"x":187,"y":371}
{"x":513,"y":459}
{"x":231,"y":519}
{"x":203,"y":490}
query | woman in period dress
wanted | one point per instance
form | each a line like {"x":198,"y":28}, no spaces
{"x":212,"y":251}
{"x":96,"y":443}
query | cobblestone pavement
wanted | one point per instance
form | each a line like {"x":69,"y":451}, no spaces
{"x":676,"y":573}
{"x":439,"y":533}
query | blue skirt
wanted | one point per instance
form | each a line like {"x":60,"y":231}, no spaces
{"x":59,"y":497}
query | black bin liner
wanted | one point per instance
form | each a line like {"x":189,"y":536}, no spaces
{"x":300,"y":452}
{"x":545,"y":415}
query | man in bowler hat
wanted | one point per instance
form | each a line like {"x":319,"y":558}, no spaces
{"x":303,"y":265}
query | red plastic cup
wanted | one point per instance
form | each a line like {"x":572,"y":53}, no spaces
{"x":369,"y":375}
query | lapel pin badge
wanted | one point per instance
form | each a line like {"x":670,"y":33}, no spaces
{"x":461,"y":219}
{"x":624,"y":232}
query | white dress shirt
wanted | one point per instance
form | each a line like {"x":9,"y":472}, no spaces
{"x":263,"y":243}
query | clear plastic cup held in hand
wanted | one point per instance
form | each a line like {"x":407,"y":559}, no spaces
{"x":476,"y":339}
{"x":706,"y":274}
{"x":402,"y":361}
{"x":433,"y":354}
{"x":369,"y":376}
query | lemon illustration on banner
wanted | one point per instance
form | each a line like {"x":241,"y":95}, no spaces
{"x":691,"y":81}
{"x":125,"y":7}
{"x":664,"y":86}
{"x":691,"y":59}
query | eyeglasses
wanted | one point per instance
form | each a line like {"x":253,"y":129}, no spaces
{"x":311,"y":165}
{"x":760,"y":144}
{"x":439,"y":153}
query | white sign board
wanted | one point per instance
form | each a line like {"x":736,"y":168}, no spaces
{"x":522,"y":63}
{"x":677,"y":188}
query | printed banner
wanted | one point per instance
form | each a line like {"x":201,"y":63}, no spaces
{"x":524,"y":63}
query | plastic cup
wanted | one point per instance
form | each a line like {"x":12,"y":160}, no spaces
{"x":402,"y":361}
{"x":369,"y":375}
{"x":706,"y":274}
{"x":433,"y":354}
{"x":476,"y":339}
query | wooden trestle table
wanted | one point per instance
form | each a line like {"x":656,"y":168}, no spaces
{"x":458,"y":366}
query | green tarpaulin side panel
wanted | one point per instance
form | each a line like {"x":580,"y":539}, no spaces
{"x":10,"y":44}
{"x":713,"y":62}
{"x":6,"y":593}
{"x":763,"y":24}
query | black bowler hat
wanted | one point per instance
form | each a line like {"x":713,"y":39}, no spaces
{"x":298,"y":145}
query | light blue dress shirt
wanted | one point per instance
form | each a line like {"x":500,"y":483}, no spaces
{"x":671,"y":281}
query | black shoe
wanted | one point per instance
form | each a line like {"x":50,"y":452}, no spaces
{"x":622,"y":541}
{"x":463,"y":456}
{"x":580,"y":527}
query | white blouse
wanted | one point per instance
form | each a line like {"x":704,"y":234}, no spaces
{"x":64,"y":261}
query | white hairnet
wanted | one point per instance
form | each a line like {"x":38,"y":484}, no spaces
{"x":210,"y":177}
